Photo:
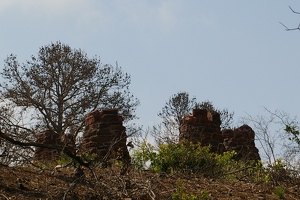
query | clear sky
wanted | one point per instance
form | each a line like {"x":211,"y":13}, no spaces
{"x":233,"y":53}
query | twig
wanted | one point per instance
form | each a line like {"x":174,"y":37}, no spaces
{"x":233,"y":172}
{"x":293,"y":10}
{"x":68,"y":190}
{"x":4,"y":196}
{"x":29,"y":144}
{"x":291,"y":29}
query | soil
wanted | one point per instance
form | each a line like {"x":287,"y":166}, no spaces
{"x":108,"y":184}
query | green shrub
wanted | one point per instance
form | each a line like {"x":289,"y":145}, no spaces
{"x":88,"y":157}
{"x":143,"y":155}
{"x":278,"y":172}
{"x":181,"y":158}
{"x":64,"y":160}
{"x":280,"y":192}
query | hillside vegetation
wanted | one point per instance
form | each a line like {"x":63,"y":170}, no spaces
{"x":177,"y":172}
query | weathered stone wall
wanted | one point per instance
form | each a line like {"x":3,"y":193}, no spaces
{"x":204,"y":126}
{"x":241,"y":140}
{"x":105,"y":135}
{"x":49,"y":138}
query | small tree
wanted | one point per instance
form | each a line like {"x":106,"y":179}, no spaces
{"x":172,"y":113}
{"x":276,"y":136}
{"x":225,"y":115}
{"x":62,"y":84}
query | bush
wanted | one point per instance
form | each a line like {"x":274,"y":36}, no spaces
{"x":143,"y":155}
{"x":280,"y":192}
{"x":278,"y":172}
{"x":181,"y":158}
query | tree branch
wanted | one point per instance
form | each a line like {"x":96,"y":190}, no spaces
{"x":294,"y":11}
{"x":34,"y":144}
{"x":291,"y":29}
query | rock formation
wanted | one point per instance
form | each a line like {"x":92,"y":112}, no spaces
{"x":105,"y":135}
{"x":50,"y":138}
{"x":204,"y":126}
{"x":241,"y":140}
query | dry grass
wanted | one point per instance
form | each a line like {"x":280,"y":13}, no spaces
{"x":107,"y":183}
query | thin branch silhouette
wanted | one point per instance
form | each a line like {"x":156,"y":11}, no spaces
{"x":291,"y":29}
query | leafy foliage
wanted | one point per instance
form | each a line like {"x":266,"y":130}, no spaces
{"x":143,"y":155}
{"x":183,"y":158}
{"x":280,"y":192}
{"x":176,"y":108}
{"x":294,"y":132}
{"x":187,"y":159}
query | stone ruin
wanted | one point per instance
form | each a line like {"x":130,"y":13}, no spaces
{"x":241,"y":140}
{"x":204,"y":126}
{"x":51,"y":138}
{"x":105,"y":135}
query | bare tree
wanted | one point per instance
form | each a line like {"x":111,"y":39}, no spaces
{"x":271,"y":135}
{"x":13,"y":126}
{"x":62,"y":84}
{"x":178,"y":106}
{"x":225,"y":115}
{"x":264,"y":135}
{"x":172,"y":113}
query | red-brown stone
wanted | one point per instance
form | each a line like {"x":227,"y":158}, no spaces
{"x":204,"y":126}
{"x":104,"y":134}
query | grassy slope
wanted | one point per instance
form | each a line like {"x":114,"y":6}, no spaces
{"x":33,"y":183}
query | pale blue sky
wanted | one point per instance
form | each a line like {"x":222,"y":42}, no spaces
{"x":234,"y":53}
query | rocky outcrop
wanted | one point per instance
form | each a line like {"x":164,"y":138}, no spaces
{"x":241,"y":140}
{"x":105,"y":135}
{"x":52,"y":139}
{"x":49,"y":138}
{"x":202,"y":126}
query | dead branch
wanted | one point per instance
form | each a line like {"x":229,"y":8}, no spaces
{"x":34,"y":144}
{"x":293,"y":10}
{"x":291,"y":29}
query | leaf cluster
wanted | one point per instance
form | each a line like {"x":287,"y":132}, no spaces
{"x":183,"y":158}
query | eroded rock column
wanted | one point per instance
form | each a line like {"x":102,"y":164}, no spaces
{"x":49,"y":138}
{"x":241,"y":140}
{"x":202,"y":126}
{"x":105,"y":135}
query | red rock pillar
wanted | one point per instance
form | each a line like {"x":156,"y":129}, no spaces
{"x":49,"y":138}
{"x":104,"y":135}
{"x":241,"y":140}
{"x":202,"y":126}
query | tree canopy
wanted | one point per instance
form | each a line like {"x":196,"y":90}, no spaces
{"x":178,"y":106}
{"x":62,"y":84}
